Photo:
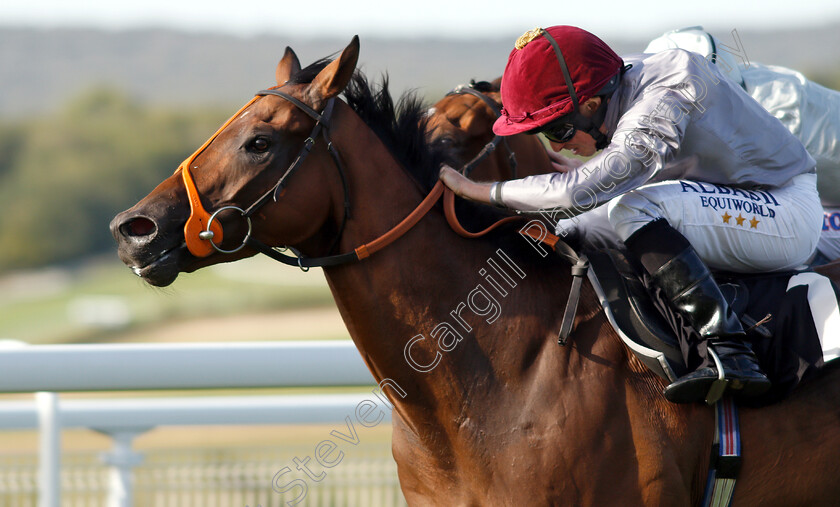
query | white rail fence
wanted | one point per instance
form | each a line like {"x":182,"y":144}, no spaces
{"x":50,"y":369}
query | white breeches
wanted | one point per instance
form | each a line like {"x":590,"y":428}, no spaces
{"x":732,"y":229}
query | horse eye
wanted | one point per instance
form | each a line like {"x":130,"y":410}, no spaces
{"x":259,"y":145}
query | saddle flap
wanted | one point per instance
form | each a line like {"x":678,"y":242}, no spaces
{"x":631,"y":312}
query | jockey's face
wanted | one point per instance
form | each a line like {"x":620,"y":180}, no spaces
{"x":580,"y":144}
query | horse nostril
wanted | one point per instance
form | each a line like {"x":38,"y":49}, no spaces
{"x":138,"y":227}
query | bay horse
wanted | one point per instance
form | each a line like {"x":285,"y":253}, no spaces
{"x":489,"y":410}
{"x":463,"y":120}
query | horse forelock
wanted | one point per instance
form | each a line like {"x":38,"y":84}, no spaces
{"x":307,"y":74}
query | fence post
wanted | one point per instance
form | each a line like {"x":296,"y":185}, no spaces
{"x":121,"y":460}
{"x":49,"y":460}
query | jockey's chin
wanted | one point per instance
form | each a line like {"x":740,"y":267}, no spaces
{"x":582,"y":144}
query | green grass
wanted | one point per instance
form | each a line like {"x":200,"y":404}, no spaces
{"x":38,"y":309}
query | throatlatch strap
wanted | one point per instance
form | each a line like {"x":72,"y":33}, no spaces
{"x":361,"y":252}
{"x":725,"y":462}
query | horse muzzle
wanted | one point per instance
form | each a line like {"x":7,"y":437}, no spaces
{"x":145,"y":247}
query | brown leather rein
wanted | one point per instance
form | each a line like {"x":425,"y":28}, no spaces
{"x":203,"y":232}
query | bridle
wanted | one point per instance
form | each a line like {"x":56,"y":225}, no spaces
{"x":202,"y":228}
{"x":490,"y":147}
{"x":203,"y":232}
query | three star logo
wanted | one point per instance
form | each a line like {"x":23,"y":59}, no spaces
{"x":740,"y":219}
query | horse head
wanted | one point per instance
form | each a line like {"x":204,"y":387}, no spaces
{"x":463,"y":121}
{"x":242,"y":173}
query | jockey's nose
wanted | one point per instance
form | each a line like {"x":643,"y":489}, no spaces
{"x":557,"y":146}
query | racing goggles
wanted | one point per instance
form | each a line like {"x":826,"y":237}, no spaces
{"x":559,"y":132}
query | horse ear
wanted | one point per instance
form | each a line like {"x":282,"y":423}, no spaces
{"x":289,"y":66}
{"x":334,"y":78}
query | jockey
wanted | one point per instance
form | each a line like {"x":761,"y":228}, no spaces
{"x":735,"y":190}
{"x":811,"y":112}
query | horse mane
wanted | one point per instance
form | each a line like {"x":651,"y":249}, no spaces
{"x":401,"y":125}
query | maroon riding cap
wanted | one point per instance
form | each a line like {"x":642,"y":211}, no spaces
{"x":534,"y":88}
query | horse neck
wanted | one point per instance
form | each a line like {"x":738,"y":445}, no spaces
{"x":479,"y":316}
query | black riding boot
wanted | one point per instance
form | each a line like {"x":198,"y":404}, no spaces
{"x":686,"y":282}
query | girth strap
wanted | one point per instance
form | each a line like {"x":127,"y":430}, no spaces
{"x":579,"y":269}
{"x":580,"y":266}
{"x":725,"y":461}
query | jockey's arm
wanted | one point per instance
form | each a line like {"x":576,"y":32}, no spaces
{"x":465,"y":187}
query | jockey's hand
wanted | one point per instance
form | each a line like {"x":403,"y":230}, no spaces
{"x":562,"y":163}
{"x":465,"y":187}
{"x":561,"y":168}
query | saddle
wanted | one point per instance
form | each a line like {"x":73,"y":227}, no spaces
{"x":792,"y":319}
{"x":797,"y":329}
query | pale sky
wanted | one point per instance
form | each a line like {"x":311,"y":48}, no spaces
{"x":418,"y":18}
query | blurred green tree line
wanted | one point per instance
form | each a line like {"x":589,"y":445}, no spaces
{"x":64,"y":176}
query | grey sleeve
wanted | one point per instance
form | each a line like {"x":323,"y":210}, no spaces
{"x":640,"y":147}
